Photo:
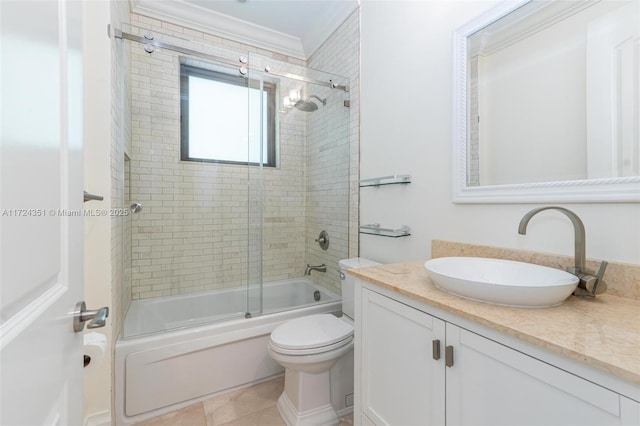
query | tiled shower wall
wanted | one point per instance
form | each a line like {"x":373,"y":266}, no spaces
{"x":284,"y":192}
{"x":333,"y":168}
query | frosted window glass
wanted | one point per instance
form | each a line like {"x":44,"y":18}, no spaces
{"x":219,"y":122}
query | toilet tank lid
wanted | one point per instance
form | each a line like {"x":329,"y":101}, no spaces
{"x":356,"y":262}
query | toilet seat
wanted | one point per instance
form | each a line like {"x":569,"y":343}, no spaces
{"x":311,"y":335}
{"x":311,"y":351}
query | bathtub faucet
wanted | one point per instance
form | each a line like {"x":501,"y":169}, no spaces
{"x":319,"y":268}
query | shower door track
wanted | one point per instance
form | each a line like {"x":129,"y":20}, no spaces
{"x":143,"y":40}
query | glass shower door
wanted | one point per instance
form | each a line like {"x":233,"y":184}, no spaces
{"x":299,"y":182}
{"x":261,"y":154}
{"x":189,"y":169}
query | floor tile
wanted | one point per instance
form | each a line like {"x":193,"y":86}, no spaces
{"x":265,"y":417}
{"x":251,"y":406}
{"x":242,"y":402}
{"x":346,"y":420}
{"x":192,"y":415}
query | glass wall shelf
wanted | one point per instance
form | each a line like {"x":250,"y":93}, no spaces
{"x":376,"y":229}
{"x":385,"y":180}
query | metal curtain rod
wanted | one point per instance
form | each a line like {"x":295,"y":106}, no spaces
{"x":123,"y":35}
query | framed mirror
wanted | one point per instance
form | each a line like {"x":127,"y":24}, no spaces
{"x":547,"y":103}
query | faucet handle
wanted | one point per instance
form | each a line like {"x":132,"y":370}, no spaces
{"x":600,"y":286}
{"x":590,"y":285}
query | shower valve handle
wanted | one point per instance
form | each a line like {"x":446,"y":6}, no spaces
{"x":323,"y":240}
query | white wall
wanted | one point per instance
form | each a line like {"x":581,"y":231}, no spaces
{"x":97,"y":252}
{"x":106,"y":135}
{"x":406,"y":119}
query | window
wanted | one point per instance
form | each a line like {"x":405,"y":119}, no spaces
{"x":216,"y":124}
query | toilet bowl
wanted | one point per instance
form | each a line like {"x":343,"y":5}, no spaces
{"x":308,"y":348}
{"x":311,"y":344}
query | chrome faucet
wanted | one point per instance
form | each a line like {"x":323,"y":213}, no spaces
{"x":589,"y":284}
{"x":319,"y":268}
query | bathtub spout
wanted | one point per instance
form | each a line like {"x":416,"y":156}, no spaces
{"x":319,"y":268}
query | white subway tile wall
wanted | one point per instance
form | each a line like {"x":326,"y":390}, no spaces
{"x":333,"y":168}
{"x":193,"y":232}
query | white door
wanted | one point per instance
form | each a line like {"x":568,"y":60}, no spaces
{"x":40,"y":189}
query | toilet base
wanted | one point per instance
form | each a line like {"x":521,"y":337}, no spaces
{"x":306,"y":399}
{"x":324,"y":415}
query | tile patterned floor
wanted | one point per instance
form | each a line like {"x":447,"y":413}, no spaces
{"x":252,"y":406}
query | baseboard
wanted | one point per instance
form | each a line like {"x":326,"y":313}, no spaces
{"x":102,"y":418}
{"x":345,"y":411}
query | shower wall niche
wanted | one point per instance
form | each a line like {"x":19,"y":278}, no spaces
{"x":209,"y":225}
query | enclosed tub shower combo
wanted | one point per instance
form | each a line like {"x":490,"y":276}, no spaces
{"x":234,"y":163}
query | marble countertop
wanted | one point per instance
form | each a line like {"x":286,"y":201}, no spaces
{"x":603,"y":332}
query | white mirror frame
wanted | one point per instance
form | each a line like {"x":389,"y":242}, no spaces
{"x":625,"y":189}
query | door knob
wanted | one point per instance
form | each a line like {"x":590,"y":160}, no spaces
{"x":97,"y":318}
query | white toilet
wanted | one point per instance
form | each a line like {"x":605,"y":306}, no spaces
{"x":308,"y":347}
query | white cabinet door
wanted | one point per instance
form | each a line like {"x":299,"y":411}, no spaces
{"x":401,"y":382}
{"x":491,"y":384}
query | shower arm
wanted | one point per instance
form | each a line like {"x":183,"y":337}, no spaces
{"x":324,"y":101}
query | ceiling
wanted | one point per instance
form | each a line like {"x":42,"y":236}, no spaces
{"x":292,"y":27}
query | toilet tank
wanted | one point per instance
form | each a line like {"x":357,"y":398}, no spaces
{"x":348,"y":282}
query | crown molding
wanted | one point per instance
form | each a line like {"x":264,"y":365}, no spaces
{"x":198,"y":18}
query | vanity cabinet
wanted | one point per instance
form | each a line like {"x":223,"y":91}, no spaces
{"x":401,"y":379}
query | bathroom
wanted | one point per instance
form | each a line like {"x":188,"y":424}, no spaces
{"x":399,"y":61}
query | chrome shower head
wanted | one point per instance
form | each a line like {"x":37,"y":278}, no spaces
{"x":308,"y":105}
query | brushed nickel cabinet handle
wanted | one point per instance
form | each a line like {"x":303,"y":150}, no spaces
{"x":448,"y":356}
{"x":435,"y":347}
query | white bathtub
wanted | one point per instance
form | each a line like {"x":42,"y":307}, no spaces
{"x":162,"y":371}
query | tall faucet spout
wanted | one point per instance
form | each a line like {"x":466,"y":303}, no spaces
{"x":579,"y":234}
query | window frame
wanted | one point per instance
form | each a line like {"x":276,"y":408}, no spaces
{"x":269,"y":89}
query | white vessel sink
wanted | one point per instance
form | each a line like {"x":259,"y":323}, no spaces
{"x":502,"y":282}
